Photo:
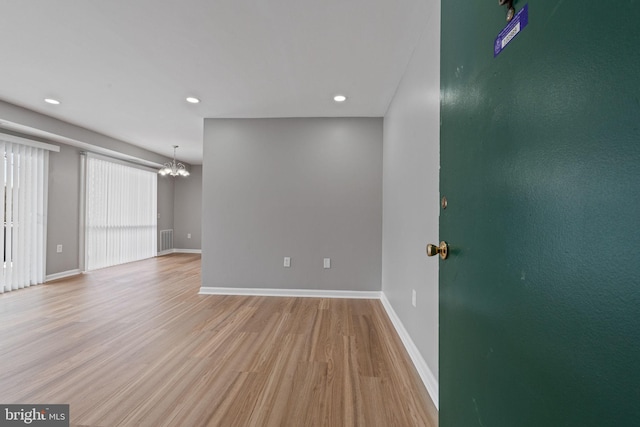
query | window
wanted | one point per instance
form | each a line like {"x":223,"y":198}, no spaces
{"x":120,"y":213}
{"x":24,"y":171}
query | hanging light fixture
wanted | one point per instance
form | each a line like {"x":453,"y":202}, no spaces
{"x":174,"y":168}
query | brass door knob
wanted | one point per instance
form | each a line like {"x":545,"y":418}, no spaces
{"x":442,"y":249}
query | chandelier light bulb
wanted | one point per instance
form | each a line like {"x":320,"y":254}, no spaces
{"x":174,"y":168}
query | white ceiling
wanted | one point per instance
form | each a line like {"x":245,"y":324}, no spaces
{"x":124,"y":68}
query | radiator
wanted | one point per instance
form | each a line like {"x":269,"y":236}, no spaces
{"x":166,"y":240}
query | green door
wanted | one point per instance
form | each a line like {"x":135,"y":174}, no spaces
{"x":540,"y":163}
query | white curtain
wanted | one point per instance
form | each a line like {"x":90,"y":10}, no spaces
{"x":121,"y":213}
{"x":24,"y":172}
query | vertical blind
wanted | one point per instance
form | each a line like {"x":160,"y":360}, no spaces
{"x":24,"y":192}
{"x":121,"y":214}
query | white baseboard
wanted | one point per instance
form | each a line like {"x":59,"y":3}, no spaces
{"x":180,"y":251}
{"x":425,"y":373}
{"x":62,"y":275}
{"x":188,"y":251}
{"x":205,"y":290}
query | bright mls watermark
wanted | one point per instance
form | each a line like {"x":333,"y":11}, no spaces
{"x":34,"y":415}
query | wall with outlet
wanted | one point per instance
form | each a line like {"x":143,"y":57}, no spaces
{"x":411,"y":194}
{"x":304,"y":188}
{"x":63,"y":210}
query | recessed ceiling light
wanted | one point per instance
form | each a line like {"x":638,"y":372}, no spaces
{"x":52,"y":101}
{"x":339,"y":98}
{"x":193,"y":100}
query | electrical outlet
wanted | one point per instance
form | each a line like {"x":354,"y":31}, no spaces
{"x":287,"y":261}
{"x":59,"y":249}
{"x":413,"y":298}
{"x":327,"y":263}
{"x":188,"y":235}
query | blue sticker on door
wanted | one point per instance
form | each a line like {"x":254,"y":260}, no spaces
{"x":517,"y":24}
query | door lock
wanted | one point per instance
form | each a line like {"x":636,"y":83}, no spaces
{"x":442,"y":249}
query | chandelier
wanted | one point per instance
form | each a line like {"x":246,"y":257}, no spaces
{"x":174,"y":168}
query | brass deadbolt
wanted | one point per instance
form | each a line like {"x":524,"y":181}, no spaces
{"x":442,"y":249}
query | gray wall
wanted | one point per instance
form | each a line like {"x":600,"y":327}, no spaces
{"x":187,"y":210}
{"x":411,"y":195}
{"x":166,"y":194}
{"x":307,"y":188}
{"x":64,"y":182}
{"x":63,"y":209}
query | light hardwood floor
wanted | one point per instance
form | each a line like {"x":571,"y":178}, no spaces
{"x":136,"y":345}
